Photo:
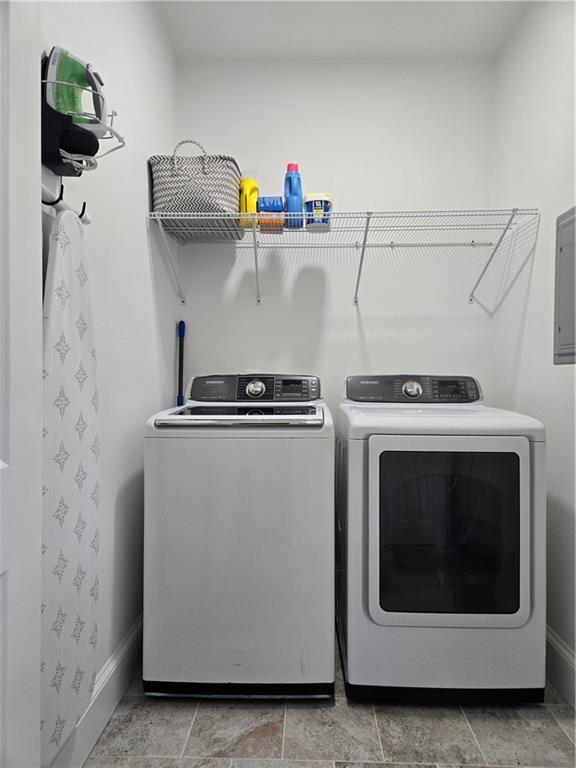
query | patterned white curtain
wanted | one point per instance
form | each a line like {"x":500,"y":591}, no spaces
{"x":71,"y":490}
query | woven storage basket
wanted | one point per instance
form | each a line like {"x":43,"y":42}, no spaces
{"x":196,"y":184}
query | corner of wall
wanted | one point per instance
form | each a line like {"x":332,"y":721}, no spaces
{"x":533,"y":166}
{"x":114,"y":677}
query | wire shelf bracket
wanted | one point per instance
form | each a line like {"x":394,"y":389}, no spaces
{"x":362,"y":254}
{"x":471,"y":296}
{"x":255,"y":245}
{"x":172,"y":264}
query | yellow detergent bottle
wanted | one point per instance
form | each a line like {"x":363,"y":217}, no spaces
{"x":249,"y":191}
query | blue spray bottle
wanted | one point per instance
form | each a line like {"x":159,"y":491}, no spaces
{"x":293,"y":200}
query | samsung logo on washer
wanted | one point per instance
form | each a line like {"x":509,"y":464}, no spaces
{"x":369,"y":381}
{"x":214,"y":381}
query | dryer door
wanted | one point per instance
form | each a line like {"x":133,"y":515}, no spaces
{"x":449,"y":531}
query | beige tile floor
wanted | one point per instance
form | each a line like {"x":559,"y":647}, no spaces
{"x":168,"y":733}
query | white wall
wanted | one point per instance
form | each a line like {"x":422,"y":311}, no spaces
{"x":134,"y":335}
{"x":4,"y":196}
{"x":21,"y":296}
{"x":533,"y":165}
{"x":438,"y":133}
{"x":3,"y":349}
{"x":379,"y":135}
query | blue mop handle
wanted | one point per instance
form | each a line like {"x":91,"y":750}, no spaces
{"x":181,"y":334}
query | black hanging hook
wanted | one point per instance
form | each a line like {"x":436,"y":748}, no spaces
{"x":58,"y":199}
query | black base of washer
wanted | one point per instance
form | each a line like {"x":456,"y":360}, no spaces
{"x":445,"y":695}
{"x":240,"y":690}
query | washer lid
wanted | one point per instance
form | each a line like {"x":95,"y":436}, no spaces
{"x":196,"y":414}
{"x":359,"y":421}
{"x":238,"y":420}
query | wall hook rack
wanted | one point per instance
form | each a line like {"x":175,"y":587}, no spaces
{"x":57,"y":200}
{"x":484,"y":232}
{"x":59,"y":204}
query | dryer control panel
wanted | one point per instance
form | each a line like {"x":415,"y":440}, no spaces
{"x":414,"y":388}
{"x":255,"y":386}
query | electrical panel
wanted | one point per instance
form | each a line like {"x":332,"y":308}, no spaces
{"x":564,"y":316}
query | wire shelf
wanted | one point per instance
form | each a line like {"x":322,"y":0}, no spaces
{"x":479,"y":232}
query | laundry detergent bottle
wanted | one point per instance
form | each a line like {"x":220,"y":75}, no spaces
{"x":249,"y":192}
{"x":293,"y":200}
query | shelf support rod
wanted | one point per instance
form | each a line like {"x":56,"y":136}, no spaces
{"x":172,"y":265}
{"x":364,"y":239}
{"x":243,"y":246}
{"x":255,"y":244}
{"x":494,"y":251}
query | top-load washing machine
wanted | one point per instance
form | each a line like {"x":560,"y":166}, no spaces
{"x":440,"y":542}
{"x":239,"y":540}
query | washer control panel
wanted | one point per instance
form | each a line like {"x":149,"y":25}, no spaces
{"x":413,"y":388}
{"x":255,"y":387}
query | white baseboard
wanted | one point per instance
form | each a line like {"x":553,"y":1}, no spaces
{"x":111,"y":683}
{"x":560,"y":664}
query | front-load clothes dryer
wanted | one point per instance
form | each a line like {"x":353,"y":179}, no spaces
{"x":239,"y":541}
{"x":440,"y":542}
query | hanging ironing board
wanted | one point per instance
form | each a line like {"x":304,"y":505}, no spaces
{"x":71,"y":490}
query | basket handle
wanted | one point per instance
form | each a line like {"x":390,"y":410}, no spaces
{"x":177,"y":147}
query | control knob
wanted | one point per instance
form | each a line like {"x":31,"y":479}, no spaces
{"x":255,"y":388}
{"x":412,"y":388}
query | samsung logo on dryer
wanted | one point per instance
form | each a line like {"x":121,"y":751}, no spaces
{"x":369,"y":381}
{"x":214,"y":381}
